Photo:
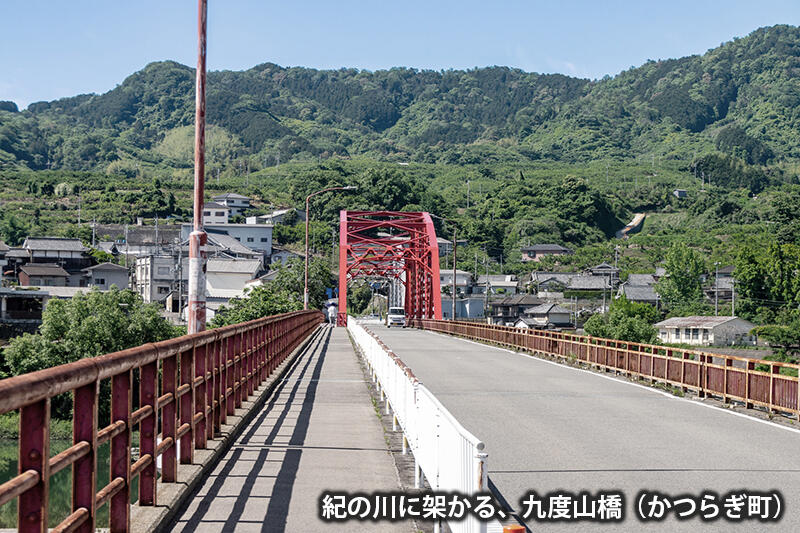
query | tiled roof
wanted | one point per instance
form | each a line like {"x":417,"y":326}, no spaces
{"x":694,"y":321}
{"x":242,"y":266}
{"x":43,"y":269}
{"x":214,"y":205}
{"x":639,"y":293}
{"x":231,"y":195}
{"x":107,"y":266}
{"x":54,"y":243}
{"x":585,"y":283}
{"x":545,"y":248}
{"x":641,"y":279}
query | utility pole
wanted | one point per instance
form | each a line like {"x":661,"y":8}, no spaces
{"x":467,"y":194}
{"x":455,"y":244}
{"x":716,"y":289}
{"x":94,"y":230}
{"x":733,"y":297}
{"x":197,"y":239}
{"x":79,"y":210}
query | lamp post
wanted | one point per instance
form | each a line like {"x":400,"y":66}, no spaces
{"x":305,"y":285}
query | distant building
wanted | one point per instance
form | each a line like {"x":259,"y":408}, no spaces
{"x":680,"y":193}
{"x":468,"y":307}
{"x":215,"y":213}
{"x":537,"y":251}
{"x":509,"y":309}
{"x":607,"y":271}
{"x":104,"y":275}
{"x":226,"y":278}
{"x":3,"y":261}
{"x":70,"y":254}
{"x":463,"y":279}
{"x":705,"y":330}
{"x":505,"y":284}
{"x":235,"y":202}
{"x":43,"y":275}
{"x":156,"y":276}
{"x":279,"y":216}
{"x":545,"y":316}
{"x":255,"y":236}
{"x":282,"y":256}
{"x":638,"y":293}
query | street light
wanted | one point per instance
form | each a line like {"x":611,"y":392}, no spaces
{"x":305,"y":286}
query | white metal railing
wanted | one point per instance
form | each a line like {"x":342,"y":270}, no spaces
{"x":450,"y":457}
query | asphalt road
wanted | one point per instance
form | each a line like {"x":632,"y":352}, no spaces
{"x":549,"y":427}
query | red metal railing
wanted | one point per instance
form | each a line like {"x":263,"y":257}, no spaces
{"x":724,"y":376}
{"x":204,"y":378}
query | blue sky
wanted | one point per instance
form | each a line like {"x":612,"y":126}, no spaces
{"x":57,"y":48}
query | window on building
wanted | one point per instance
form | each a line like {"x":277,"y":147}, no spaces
{"x":705,"y":334}
{"x":250,"y":239}
{"x":686,"y":333}
{"x":220,"y":213}
{"x":695,"y":334}
{"x":206,"y":213}
{"x":100,"y":281}
{"x":163,"y":271}
{"x":264,"y":239}
{"x":163,"y":290}
{"x":238,"y":239}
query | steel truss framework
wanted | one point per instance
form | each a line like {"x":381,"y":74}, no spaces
{"x":410,"y":254}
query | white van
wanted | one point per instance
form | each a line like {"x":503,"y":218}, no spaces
{"x":396,"y":317}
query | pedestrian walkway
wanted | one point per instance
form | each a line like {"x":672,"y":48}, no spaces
{"x":317,"y":432}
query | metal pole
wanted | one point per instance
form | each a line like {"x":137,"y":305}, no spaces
{"x":454,"y":273}
{"x":716,"y":289}
{"x":197,"y":239}
{"x":305,"y":284}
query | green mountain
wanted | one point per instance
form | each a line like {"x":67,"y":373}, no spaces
{"x":742,"y":98}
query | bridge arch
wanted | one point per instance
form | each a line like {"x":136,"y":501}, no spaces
{"x":409,"y":254}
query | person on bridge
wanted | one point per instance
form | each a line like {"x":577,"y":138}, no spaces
{"x":332,"y":315}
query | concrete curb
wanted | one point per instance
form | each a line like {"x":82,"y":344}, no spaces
{"x":174,"y":497}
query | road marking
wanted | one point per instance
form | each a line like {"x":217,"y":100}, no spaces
{"x":623,"y":381}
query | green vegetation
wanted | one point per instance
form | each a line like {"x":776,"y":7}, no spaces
{"x":626,"y":321}
{"x":281,"y":295}
{"x":88,"y":325}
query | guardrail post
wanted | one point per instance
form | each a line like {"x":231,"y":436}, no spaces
{"x":148,"y":377}
{"x":84,"y":477}
{"x":34,"y":454}
{"x":702,"y":377}
{"x":120,"y":505}
{"x":200,"y":396}
{"x":238,"y":360}
{"x":211,"y":349}
{"x":187,"y":407}
{"x":750,"y":366}
{"x":230,"y":407}
{"x":728,"y":363}
{"x":169,"y":419}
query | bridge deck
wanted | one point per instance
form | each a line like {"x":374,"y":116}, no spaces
{"x":549,"y":427}
{"x":318,"y":431}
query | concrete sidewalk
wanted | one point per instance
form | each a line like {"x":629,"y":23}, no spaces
{"x":318,"y":431}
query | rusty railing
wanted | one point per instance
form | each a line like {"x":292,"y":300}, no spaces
{"x":187,"y":386}
{"x":708,"y":374}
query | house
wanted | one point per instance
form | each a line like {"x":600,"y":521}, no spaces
{"x":22,"y":306}
{"x":226,"y":278}
{"x":259,"y":281}
{"x":3,"y":261}
{"x":70,"y":254}
{"x":215,"y":213}
{"x":286,"y":215}
{"x":156,"y":276}
{"x":468,"y":307}
{"x":726,"y":271}
{"x":282,"y":256}
{"x":463,"y":279}
{"x":109,"y":247}
{"x":236,"y":203}
{"x":638,"y":293}
{"x":43,"y":275}
{"x":104,"y":275}
{"x":497,"y":283}
{"x":550,"y":284}
{"x":607,"y":271}
{"x":680,"y":193}
{"x":255,"y":236}
{"x":583,"y":282}
{"x":706,"y":330}
{"x":545,"y":316}
{"x":641,"y":279}
{"x":509,"y":309}
{"x":723,"y":288}
{"x":537,"y":251}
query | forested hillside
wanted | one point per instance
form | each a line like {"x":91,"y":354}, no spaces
{"x":742,"y":98}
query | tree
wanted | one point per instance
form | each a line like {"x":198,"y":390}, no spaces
{"x":88,"y":325}
{"x":681,"y":287}
{"x":625,"y":321}
{"x":281,"y":295}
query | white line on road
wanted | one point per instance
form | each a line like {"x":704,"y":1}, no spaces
{"x":623,"y":381}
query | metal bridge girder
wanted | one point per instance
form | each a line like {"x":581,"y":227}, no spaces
{"x":411,"y":255}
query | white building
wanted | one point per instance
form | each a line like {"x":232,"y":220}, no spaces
{"x":254,"y":236}
{"x":282,"y":256}
{"x":215,"y":213}
{"x":463,"y":279}
{"x":706,"y":330}
{"x":104,"y":275}
{"x":469,"y":307}
{"x":235,"y":202}
{"x":505,"y":284}
{"x":156,"y":276}
{"x":279,"y":216}
{"x":226,"y":278}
